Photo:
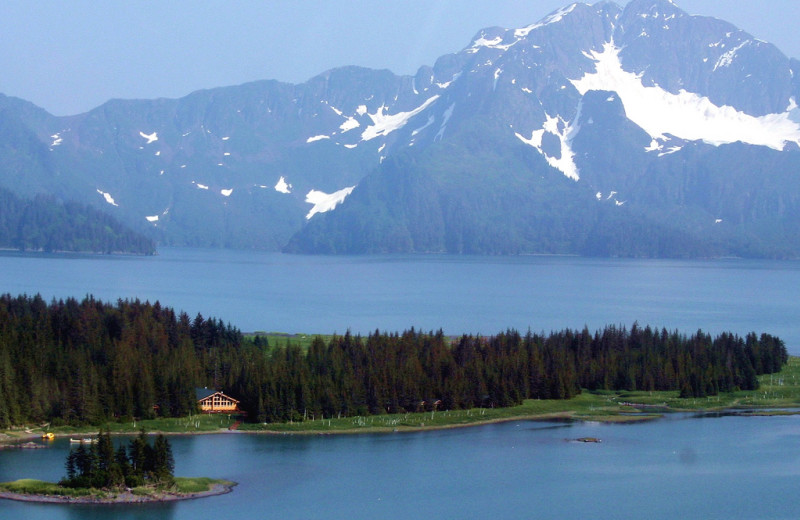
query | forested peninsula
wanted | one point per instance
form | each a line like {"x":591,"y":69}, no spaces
{"x":47,"y":224}
{"x":90,"y":362}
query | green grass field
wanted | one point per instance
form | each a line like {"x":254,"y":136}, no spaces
{"x":29,"y":486}
{"x":197,"y":484}
{"x":280,"y":339}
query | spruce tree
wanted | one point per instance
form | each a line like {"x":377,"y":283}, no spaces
{"x":163,"y":461}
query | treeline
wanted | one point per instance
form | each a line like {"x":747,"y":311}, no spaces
{"x":46,"y":224}
{"x":90,"y":362}
{"x":413,"y":371}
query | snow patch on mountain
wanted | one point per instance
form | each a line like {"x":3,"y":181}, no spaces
{"x":447,"y":115}
{"x":554,"y":17}
{"x":317,"y":138}
{"x":384,"y":124}
{"x":335,"y":110}
{"x":670,"y":150}
{"x":108,"y":197}
{"x":566,"y":133}
{"x":150,"y":137}
{"x":57,"y":140}
{"x":685,"y":115}
{"x":727,"y":58}
{"x":448,"y":83}
{"x":349,"y":124}
{"x":654,"y":146}
{"x":324,"y":202}
{"x":282,"y":186}
{"x":494,"y":43}
{"x":431,"y":119}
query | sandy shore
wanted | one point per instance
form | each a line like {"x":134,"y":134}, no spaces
{"x":125,"y":497}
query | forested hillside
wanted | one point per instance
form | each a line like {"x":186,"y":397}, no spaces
{"x":46,"y":224}
{"x":90,"y":362}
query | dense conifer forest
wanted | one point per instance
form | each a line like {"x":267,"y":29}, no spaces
{"x":88,"y":361}
{"x":46,"y":224}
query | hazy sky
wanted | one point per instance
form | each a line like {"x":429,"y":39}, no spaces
{"x":71,"y":56}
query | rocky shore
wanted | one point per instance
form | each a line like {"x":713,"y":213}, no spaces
{"x":123,"y":497}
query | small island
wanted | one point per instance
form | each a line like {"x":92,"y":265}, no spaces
{"x":98,"y":474}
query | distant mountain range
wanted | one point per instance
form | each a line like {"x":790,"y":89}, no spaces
{"x":599,"y":130}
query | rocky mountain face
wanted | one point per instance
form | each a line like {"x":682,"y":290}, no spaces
{"x":601,"y":130}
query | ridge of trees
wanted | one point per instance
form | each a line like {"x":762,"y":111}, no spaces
{"x":46,"y":224}
{"x":87,"y":361}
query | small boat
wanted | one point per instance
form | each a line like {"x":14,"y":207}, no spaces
{"x":86,"y":440}
{"x":48,"y":436}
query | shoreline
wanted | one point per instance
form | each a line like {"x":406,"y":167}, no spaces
{"x":554,"y":416}
{"x":124,"y":497}
{"x":12,"y":442}
{"x":9,"y":442}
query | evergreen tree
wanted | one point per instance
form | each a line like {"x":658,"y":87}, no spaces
{"x":163,"y":461}
{"x":138,"y":455}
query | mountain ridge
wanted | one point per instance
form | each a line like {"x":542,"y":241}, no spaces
{"x":615,"y":124}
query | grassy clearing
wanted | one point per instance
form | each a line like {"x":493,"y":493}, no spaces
{"x":586,"y":406}
{"x":282,"y":339}
{"x":200,"y":423}
{"x":198,"y":484}
{"x":29,"y":486}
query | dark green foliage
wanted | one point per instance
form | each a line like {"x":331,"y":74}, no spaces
{"x":412,"y":371}
{"x":45,"y":224}
{"x":100,"y":466}
{"x":90,"y":362}
{"x":163,"y":461}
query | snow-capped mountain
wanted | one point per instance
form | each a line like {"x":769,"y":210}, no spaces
{"x":600,"y":129}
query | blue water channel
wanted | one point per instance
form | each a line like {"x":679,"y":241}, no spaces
{"x":677,"y":467}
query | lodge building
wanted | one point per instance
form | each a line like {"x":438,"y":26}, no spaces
{"x":213,"y":401}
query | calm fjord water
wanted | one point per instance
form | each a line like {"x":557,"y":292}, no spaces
{"x":677,"y":467}
{"x":460,"y":294}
